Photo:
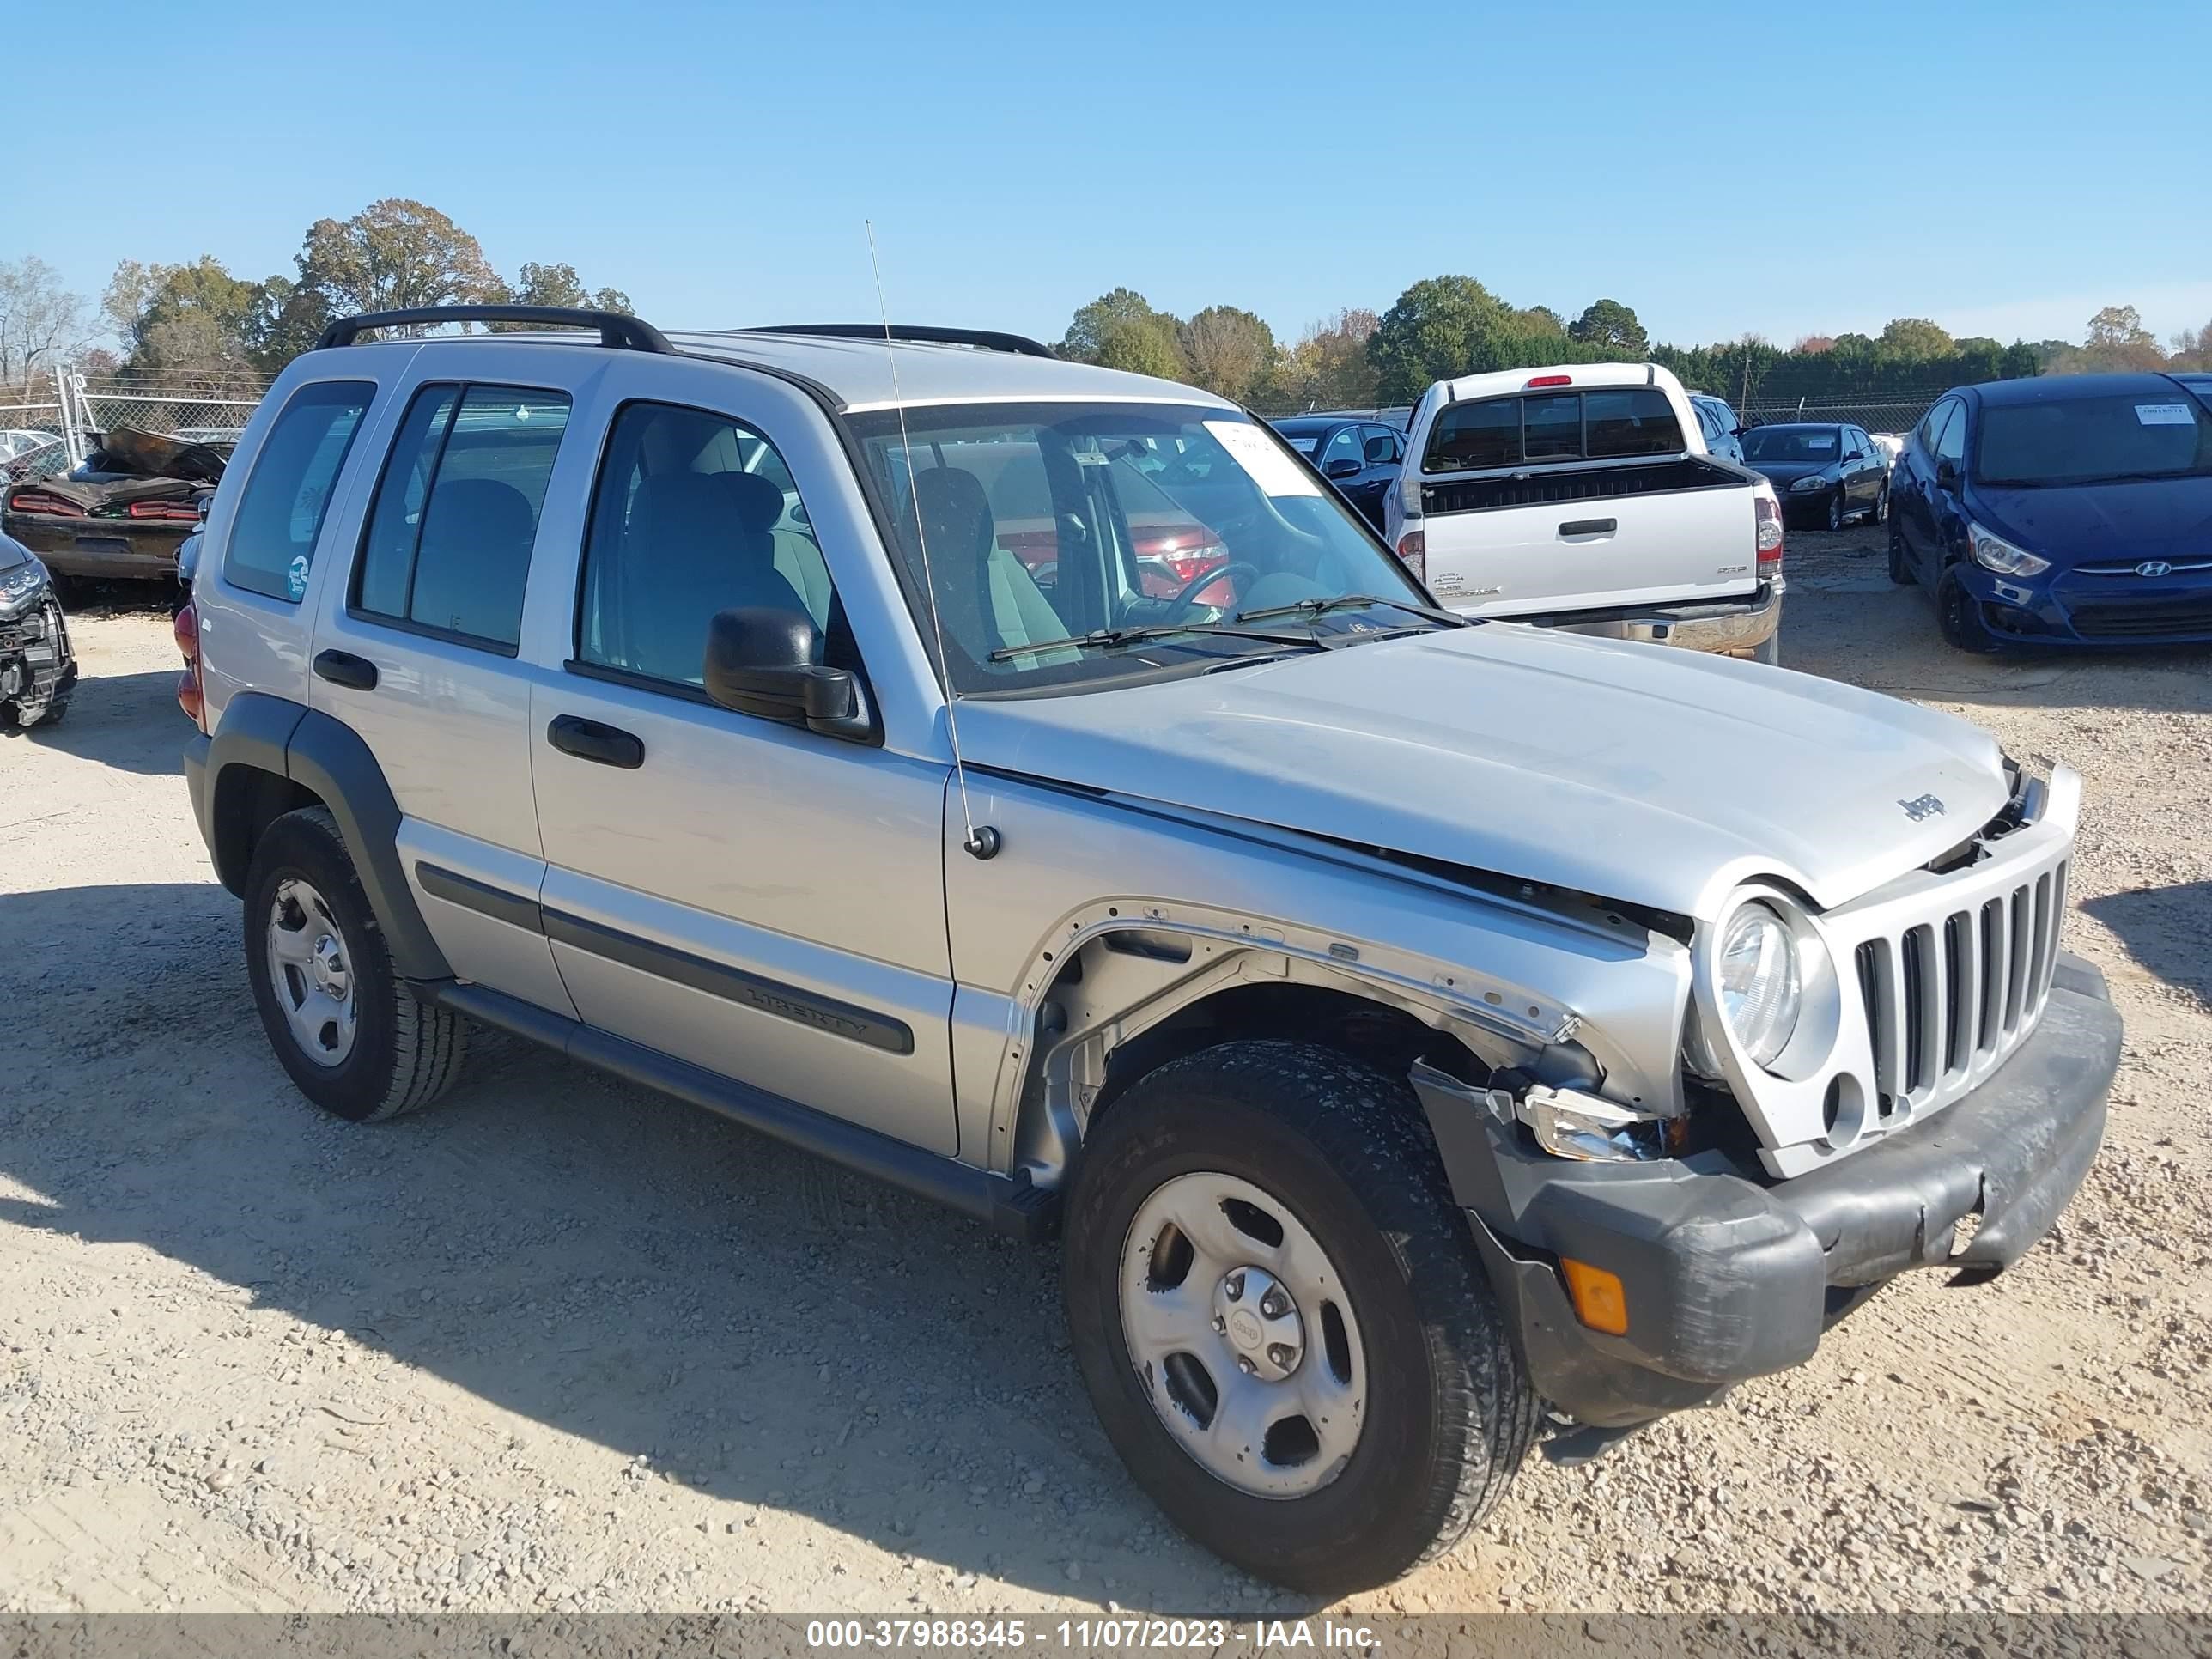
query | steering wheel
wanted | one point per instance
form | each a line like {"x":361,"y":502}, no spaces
{"x":1184,"y":601}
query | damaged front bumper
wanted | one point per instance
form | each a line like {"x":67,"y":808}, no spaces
{"x":37,"y":666}
{"x":1727,"y":1277}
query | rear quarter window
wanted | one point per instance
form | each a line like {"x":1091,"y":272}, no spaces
{"x":280,"y":515}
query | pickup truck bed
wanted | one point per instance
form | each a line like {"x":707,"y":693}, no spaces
{"x":1583,"y":498}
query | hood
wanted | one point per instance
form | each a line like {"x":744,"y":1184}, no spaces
{"x":1636,"y":773}
{"x":2149,"y":518}
{"x":1786,"y":473}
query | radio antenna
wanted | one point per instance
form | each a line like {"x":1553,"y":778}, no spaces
{"x":980,"y":843}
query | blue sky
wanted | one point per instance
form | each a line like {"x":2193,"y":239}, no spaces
{"x":1783,"y":167}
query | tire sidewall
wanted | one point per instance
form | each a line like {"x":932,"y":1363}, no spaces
{"x":1956,"y":617}
{"x":1301,"y":1539}
{"x":1835,"y":514}
{"x":305,"y":845}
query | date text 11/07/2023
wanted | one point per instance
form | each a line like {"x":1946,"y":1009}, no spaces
{"x":1136,"y":1635}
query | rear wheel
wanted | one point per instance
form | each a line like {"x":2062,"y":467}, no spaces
{"x":1958,"y":616}
{"x":354,"y":1039}
{"x":1880,"y":513}
{"x":1281,"y":1319}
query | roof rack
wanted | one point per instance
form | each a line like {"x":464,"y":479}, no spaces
{"x":988,"y":339}
{"x":616,"y":329}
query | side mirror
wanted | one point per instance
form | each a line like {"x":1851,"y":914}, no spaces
{"x":761,"y":661}
{"x":1947,"y":474}
{"x":1855,"y":455}
{"x":202,"y":505}
{"x":1343,"y":467}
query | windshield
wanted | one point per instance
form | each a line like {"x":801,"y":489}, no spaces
{"x":1074,"y":527}
{"x":1819,"y":443}
{"x":2138,"y":435}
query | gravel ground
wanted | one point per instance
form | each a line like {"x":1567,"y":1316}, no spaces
{"x":558,"y":1343}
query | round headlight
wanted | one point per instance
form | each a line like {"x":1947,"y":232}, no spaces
{"x":1758,"y":982}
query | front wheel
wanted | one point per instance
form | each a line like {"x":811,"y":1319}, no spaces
{"x":1836,"y":509}
{"x":1959,"y":617}
{"x":1900,"y":565}
{"x":1282,"y":1322}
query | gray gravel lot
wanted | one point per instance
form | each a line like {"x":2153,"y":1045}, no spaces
{"x":560,"y":1344}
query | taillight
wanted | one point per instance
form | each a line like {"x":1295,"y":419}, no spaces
{"x":1414,"y":554}
{"x":1550,"y":380}
{"x":1770,"y":535}
{"x":190,"y":698}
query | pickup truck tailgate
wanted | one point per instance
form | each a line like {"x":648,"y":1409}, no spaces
{"x":1663,"y":531}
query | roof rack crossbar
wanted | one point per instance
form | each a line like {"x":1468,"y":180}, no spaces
{"x":616,"y":329}
{"x":989,"y":339}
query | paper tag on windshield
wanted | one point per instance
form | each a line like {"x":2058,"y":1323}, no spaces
{"x":2165,"y":415}
{"x":1264,"y":459}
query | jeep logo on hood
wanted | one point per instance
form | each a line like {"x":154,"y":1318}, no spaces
{"x":1922,"y":807}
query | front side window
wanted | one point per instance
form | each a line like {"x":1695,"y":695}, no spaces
{"x":1343,"y":446}
{"x":1073,"y":543}
{"x":2113,"y":439}
{"x":1951,"y":441}
{"x":1615,"y":423}
{"x":448,"y":542}
{"x":694,"y":514}
{"x":272,"y":539}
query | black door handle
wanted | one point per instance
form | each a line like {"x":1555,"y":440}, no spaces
{"x":589,"y":740}
{"x":343,"y":668}
{"x":1590,"y":526}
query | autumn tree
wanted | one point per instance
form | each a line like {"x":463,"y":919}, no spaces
{"x":41,"y":323}
{"x":1611,"y":325}
{"x":393,"y":255}
{"x":1913,"y":338}
{"x":1328,"y":367}
{"x":1230,"y":352}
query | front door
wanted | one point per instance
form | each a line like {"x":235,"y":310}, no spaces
{"x":752,"y":897}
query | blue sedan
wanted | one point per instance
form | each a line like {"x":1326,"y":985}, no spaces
{"x":2066,"y":510}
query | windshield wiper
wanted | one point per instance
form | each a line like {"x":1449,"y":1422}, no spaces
{"x":1107,"y":639}
{"x":1346,"y":601}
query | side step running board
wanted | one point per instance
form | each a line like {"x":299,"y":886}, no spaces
{"x":1012,"y":1206}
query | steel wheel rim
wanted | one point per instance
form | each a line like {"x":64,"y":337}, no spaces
{"x":311,"y":973}
{"x":1242,"y":1335}
{"x":1836,"y":512}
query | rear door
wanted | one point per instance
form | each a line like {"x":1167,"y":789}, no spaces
{"x":1550,"y":503}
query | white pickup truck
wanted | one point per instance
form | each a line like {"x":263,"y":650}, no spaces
{"x":1584,"y":497}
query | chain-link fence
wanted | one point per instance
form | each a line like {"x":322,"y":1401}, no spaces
{"x":1889,"y":416}
{"x":202,"y":409}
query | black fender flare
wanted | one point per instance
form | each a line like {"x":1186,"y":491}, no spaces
{"x":328,"y":759}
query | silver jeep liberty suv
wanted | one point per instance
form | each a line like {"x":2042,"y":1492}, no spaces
{"x":1033,"y":785}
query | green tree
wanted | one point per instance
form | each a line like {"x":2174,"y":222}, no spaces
{"x":559,"y":285}
{"x":1540,"y":320}
{"x":1441,"y":326}
{"x":194,"y":318}
{"x":1611,"y":327}
{"x":1230,"y":352}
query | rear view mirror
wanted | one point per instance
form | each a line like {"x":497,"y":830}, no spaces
{"x":761,"y":661}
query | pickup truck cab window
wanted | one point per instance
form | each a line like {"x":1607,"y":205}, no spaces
{"x":1563,"y":426}
{"x":1061,"y":538}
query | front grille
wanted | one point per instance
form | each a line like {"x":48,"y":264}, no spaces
{"x":2172,"y":619}
{"x":1947,"y":998}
